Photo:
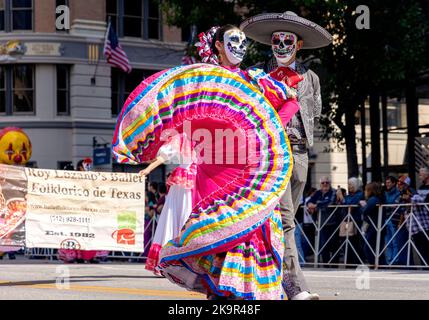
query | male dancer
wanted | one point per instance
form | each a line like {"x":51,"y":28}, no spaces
{"x":288,"y":33}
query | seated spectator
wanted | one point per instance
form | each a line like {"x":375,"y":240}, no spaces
{"x":329,"y":221}
{"x":350,"y":225}
{"x":370,"y":213}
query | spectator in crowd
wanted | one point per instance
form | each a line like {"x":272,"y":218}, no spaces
{"x":350,"y":225}
{"x":391,"y":194}
{"x":152,"y":198}
{"x":309,"y":227}
{"x":303,"y":221}
{"x":370,"y":211}
{"x":423,"y":191}
{"x":418,"y":224}
{"x":398,"y":219}
{"x":318,"y":203}
{"x":162,"y":191}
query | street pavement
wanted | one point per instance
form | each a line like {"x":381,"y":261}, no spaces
{"x":51,"y":280}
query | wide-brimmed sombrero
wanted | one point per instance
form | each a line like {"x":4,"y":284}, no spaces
{"x":261,"y":27}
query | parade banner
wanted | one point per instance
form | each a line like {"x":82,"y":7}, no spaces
{"x":76,"y":209}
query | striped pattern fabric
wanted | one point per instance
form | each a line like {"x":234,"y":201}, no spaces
{"x":236,"y":223}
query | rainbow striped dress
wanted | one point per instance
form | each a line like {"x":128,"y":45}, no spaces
{"x":232,"y":245}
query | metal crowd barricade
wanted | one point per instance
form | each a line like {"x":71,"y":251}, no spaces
{"x":340,"y":250}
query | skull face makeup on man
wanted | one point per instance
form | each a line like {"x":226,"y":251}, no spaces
{"x":235,"y":43}
{"x":285,"y":46}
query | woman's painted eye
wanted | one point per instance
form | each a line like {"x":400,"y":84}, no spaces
{"x":276,"y":42}
{"x":288,"y":42}
{"x":235,"y":39}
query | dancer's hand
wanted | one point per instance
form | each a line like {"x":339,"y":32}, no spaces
{"x":145,"y":172}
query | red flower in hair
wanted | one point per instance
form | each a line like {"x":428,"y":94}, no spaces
{"x":204,"y":46}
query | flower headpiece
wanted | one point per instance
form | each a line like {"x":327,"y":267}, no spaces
{"x":204,"y":46}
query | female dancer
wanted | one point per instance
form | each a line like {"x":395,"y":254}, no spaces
{"x":232,"y":244}
{"x":227,"y":274}
{"x":179,"y":201}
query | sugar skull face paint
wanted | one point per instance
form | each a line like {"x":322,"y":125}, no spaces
{"x":284,"y":45}
{"x":235,"y":45}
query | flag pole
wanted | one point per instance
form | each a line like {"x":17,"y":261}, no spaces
{"x":94,"y":79}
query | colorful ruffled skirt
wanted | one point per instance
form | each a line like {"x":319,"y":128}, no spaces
{"x":232,"y":244}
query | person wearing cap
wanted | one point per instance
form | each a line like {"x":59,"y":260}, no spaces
{"x":287,"y":33}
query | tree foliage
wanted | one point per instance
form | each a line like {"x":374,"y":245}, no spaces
{"x":382,"y":59}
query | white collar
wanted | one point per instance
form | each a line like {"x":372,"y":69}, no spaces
{"x":292,"y":65}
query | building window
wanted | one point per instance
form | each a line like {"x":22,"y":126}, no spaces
{"x":2,"y":90}
{"x":138,"y":18}
{"x":22,"y":15}
{"x":17,"y":89}
{"x":123,"y":84}
{"x":133,"y":19}
{"x":23,"y":88}
{"x":2,"y":10}
{"x":16,"y":15}
{"x":112,"y":13}
{"x":153,"y":25}
{"x":63,"y":90}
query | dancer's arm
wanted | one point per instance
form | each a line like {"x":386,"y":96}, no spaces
{"x":159,"y":161}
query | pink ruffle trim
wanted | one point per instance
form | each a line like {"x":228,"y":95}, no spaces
{"x":183,"y":177}
{"x":152,"y":260}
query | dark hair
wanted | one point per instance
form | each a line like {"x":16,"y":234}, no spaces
{"x":219,"y":35}
{"x":162,"y":188}
{"x":374,"y":189}
{"x":79,"y":164}
{"x":68,"y":167}
{"x":392,"y":179}
{"x":154,"y":185}
{"x":310,"y":191}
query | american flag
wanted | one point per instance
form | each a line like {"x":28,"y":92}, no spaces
{"x":113,"y":51}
